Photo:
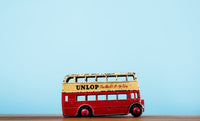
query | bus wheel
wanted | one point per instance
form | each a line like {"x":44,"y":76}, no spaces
{"x":136,"y":110}
{"x":85,"y":111}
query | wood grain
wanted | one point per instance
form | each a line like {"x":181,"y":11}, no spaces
{"x":106,"y":118}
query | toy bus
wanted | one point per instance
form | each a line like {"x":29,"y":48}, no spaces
{"x":100,"y":94}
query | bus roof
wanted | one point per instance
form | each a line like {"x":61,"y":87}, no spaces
{"x":100,"y":74}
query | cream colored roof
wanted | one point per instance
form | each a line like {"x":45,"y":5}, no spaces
{"x":99,"y":74}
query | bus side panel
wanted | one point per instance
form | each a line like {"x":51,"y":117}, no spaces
{"x":69,"y":111}
{"x":106,"y":107}
{"x":110,"y":107}
{"x":119,"y":107}
{"x":100,"y":107}
{"x":69,"y":107}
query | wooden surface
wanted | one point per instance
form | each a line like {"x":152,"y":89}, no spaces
{"x":107,"y":118}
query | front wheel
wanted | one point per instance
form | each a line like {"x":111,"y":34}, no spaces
{"x":136,"y":110}
{"x":85,"y":112}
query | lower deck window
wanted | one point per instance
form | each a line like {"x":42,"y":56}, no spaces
{"x":104,"y":97}
{"x":132,"y":96}
{"x":91,"y":97}
{"x":66,"y":98}
{"x":137,"y":96}
{"x":81,"y":98}
{"x":112,"y":97}
{"x":122,"y":96}
{"x":101,"y":97}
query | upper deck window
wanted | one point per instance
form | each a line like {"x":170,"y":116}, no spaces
{"x":111,"y":78}
{"x":91,"y":79}
{"x":80,"y":79}
{"x":130,"y":78}
{"x":121,"y":78}
{"x":101,"y":79}
{"x":70,"y":80}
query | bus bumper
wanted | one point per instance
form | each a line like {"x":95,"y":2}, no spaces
{"x":142,"y":102}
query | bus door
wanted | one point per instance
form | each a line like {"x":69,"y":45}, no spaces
{"x":113,"y":104}
{"x":123,"y":102}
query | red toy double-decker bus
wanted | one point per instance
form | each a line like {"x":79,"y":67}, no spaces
{"x":101,"y":94}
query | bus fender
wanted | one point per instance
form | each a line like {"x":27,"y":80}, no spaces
{"x":136,"y":104}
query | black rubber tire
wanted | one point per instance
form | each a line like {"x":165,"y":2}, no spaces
{"x":85,"y":107}
{"x":134,"y":114}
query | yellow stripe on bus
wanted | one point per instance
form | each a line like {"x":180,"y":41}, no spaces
{"x":99,"y":86}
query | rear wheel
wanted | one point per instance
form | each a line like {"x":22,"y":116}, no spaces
{"x":85,"y":111}
{"x":136,"y":110}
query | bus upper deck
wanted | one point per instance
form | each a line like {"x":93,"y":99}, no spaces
{"x":100,"y":82}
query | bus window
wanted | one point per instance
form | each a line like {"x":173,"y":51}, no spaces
{"x":132,"y":95}
{"x":121,"y":78}
{"x":91,"y":79}
{"x":111,"y":78}
{"x":136,"y":94}
{"x":91,"y":97}
{"x":80,"y":80}
{"x":130,"y":78}
{"x":66,"y":98}
{"x":112,"y":97}
{"x":122,"y":96}
{"x":81,"y":98}
{"x":70,"y":80}
{"x":101,"y":97}
{"x":101,"y":79}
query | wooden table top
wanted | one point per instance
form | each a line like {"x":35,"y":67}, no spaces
{"x":106,"y":118}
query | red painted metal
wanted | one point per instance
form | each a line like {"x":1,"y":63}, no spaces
{"x":100,"y":107}
{"x":136,"y":110}
{"x":84,"y":112}
{"x":142,"y":102}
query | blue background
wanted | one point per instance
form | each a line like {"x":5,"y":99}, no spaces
{"x":41,"y":41}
